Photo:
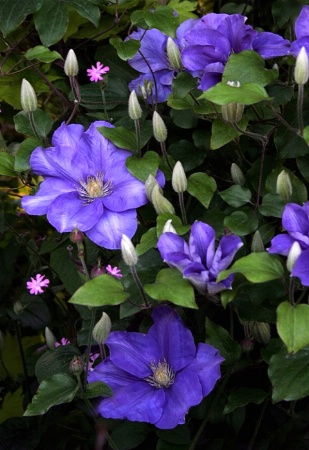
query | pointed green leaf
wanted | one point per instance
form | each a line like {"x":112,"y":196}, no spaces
{"x":120,"y":136}
{"x":24,"y":152}
{"x":102,"y":290}
{"x":42,"y":53}
{"x":176,"y":222}
{"x":148,"y":241}
{"x":13,"y":13}
{"x":125,"y":49}
{"x":51,"y":21}
{"x":98,"y":389}
{"x":242,"y":397}
{"x":87,"y":9}
{"x":246,"y":94}
{"x":236,"y":196}
{"x":292,"y":325}
{"x":7,"y":164}
{"x":218,"y":337}
{"x":163,"y":18}
{"x":202,"y":187}
{"x":222,"y":133}
{"x":141,"y":168}
{"x":241,"y":223}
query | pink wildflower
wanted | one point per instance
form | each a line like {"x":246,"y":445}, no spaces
{"x":64,"y":341}
{"x":113,"y":271}
{"x":92,"y":359}
{"x":35,"y":285}
{"x":95,"y":72}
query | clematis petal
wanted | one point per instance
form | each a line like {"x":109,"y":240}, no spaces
{"x":297,"y":45}
{"x":174,"y":250}
{"x":281,"y":244}
{"x":198,"y":276}
{"x":202,"y":243}
{"x":67,"y":135}
{"x":270,"y":45}
{"x":301,"y":268}
{"x":225,"y":253}
{"x":184,"y":393}
{"x":108,"y":231}
{"x":178,"y":352}
{"x":67,"y":212}
{"x":302,"y":23}
{"x":160,"y":91}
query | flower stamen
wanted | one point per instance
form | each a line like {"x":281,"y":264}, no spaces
{"x":93,"y":188}
{"x":163,"y":375}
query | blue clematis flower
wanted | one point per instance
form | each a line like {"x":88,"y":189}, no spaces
{"x":295,"y":220}
{"x":156,"y":377}
{"x":87,"y":185}
{"x":198,"y":261}
{"x":301,"y":32}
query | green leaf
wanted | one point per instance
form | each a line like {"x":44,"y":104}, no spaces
{"x":24,"y":152}
{"x":184,"y":8}
{"x":176,"y":222}
{"x":51,"y":21}
{"x":87,"y":9}
{"x":65,"y":268}
{"x":241,"y":223}
{"x":292,"y":325}
{"x":170,"y":285}
{"x":120,"y":136}
{"x":7,"y":164}
{"x":222,"y":133}
{"x":289,"y":375}
{"x":242,"y":397}
{"x":42,"y":53}
{"x":102,"y":290}
{"x":183,"y":84}
{"x":256,"y":267}
{"x":55,"y":361}
{"x":43,"y":123}
{"x":163,"y":19}
{"x":98,"y":389}
{"x":246,"y":94}
{"x":272,"y":205}
{"x":236,"y":196}
{"x":217,"y":336}
{"x":202,"y":187}
{"x":60,"y":388}
{"x":248,"y":67}
{"x":148,"y":241}
{"x":13,"y":13}
{"x":141,"y":168}
{"x":129,"y":435}
{"x":125,"y":49}
{"x":306,"y":134}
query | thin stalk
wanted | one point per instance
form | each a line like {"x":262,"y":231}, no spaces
{"x":92,"y":320}
{"x":258,"y":195}
{"x":164,"y":152}
{"x":104,"y":103}
{"x":257,"y":137}
{"x":140,"y":286}
{"x":258,"y":424}
{"x":291,"y":291}
{"x":81,"y":255}
{"x":138,"y":137}
{"x":300,"y":100}
{"x":102,"y":351}
{"x":182,"y":208}
{"x":23,"y":359}
{"x":32,"y":123}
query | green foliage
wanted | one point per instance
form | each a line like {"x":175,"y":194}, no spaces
{"x":102,"y":290}
{"x":292,"y":325}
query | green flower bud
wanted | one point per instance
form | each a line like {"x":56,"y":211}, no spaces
{"x":159,"y":128}
{"x":160,"y":203}
{"x":179,"y":179}
{"x":76,"y":366}
{"x":284,"y":186}
{"x":18,"y":308}
{"x":232,"y":112}
{"x":257,"y":244}
{"x":71,"y":64}
{"x":128,"y":251}
{"x":293,"y":255}
{"x":301,"y":71}
{"x":102,"y":329}
{"x":168,"y":227}
{"x":50,"y":339}
{"x":150,"y":183}
{"x":135,"y":110}
{"x":173,"y":54}
{"x":76,"y":236}
{"x":28,"y":98}
{"x":237,"y":175}
{"x":260,"y":331}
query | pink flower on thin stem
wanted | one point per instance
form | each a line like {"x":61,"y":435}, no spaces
{"x":64,"y":341}
{"x":95,"y":73}
{"x":113,"y":271}
{"x":92,"y":359}
{"x":36,"y":284}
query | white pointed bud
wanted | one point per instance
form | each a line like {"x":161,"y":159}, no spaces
{"x":179,"y":179}
{"x":260,"y":331}
{"x":232,"y":112}
{"x":294,"y":253}
{"x":128,"y":251}
{"x":173,"y":54}
{"x":257,"y":244}
{"x":28,"y":98}
{"x":301,"y":71}
{"x":168,"y":227}
{"x":135,"y":110}
{"x":150,"y":183}
{"x":159,"y":128}
{"x":71,"y":64}
{"x":275,"y":66}
{"x":148,"y":86}
{"x":143,"y":92}
{"x":237,"y":175}
{"x":50,"y":339}
{"x":284,"y":186}
{"x":160,"y":203}
{"x":102,"y":329}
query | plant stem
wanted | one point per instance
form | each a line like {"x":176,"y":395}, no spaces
{"x":182,"y":208}
{"x":33,"y":127}
{"x":92,"y":319}
{"x":164,"y":153}
{"x":140,"y":286}
{"x":138,"y":137}
{"x":258,"y":424}
{"x":300,"y":99}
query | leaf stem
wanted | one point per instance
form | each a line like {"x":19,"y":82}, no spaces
{"x":140,"y":286}
{"x":182,"y":208}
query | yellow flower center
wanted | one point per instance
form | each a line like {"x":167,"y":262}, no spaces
{"x":162,"y":375}
{"x":93,"y":188}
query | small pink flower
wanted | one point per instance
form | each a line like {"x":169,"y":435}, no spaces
{"x":64,"y":341}
{"x":95,"y":72}
{"x":113,"y":271}
{"x":35,"y":285}
{"x":92,"y":359}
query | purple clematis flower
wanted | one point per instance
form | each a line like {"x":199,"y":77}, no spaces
{"x":87,"y":185}
{"x":214,"y":37}
{"x":301,"y":32}
{"x":295,"y":220}
{"x":156,"y":377}
{"x":198,"y":261}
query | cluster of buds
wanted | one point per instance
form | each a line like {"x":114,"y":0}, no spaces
{"x":155,"y":196}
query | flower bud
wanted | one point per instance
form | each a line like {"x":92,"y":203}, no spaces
{"x":76,"y":366}
{"x":168,"y":227}
{"x":247,"y":345}
{"x":232,"y":112}
{"x":179,"y":179}
{"x":135,"y":110}
{"x":71,"y":64}
{"x":143,"y":92}
{"x":293,"y":254}
{"x":260,"y":331}
{"x":160,"y":203}
{"x":284,"y":186}
{"x":148,"y":86}
{"x":301,"y":71}
{"x":97,"y":271}
{"x":76,"y":236}
{"x":50,"y":339}
{"x":173,"y":54}
{"x":18,"y":308}
{"x":128,"y":251}
{"x":159,"y":128}
{"x":28,"y":98}
{"x":257,"y":244}
{"x":237,"y":175}
{"x":102,"y":329}
{"x":150,"y":183}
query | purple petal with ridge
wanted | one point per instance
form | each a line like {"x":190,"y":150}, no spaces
{"x":202,"y":243}
{"x":301,"y":268}
{"x":295,"y":219}
{"x":302,"y":23}
{"x":281,"y":244}
{"x":67,"y":135}
{"x":270,"y":45}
